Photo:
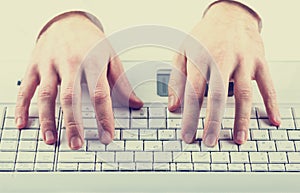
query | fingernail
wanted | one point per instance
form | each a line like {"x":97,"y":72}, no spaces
{"x":19,"y":122}
{"x":188,"y":138}
{"x":210,"y":140}
{"x":49,"y":137}
{"x":76,"y":142}
{"x":105,"y":137}
{"x":240,"y":136}
{"x":171,"y":100}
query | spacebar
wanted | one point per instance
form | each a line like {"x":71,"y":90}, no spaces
{"x":76,"y":157}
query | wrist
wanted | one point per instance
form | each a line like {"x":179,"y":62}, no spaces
{"x":232,"y":12}
{"x":72,"y":15}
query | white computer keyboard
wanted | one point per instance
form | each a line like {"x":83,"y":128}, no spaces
{"x":149,"y":140}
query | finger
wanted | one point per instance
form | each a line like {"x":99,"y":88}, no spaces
{"x":46,"y":103}
{"x":70,"y":99}
{"x":193,"y":98}
{"x":121,"y":88}
{"x":216,"y":100}
{"x":243,"y":103}
{"x":267,"y":90}
{"x":25,"y":94}
{"x":177,"y":82}
{"x":100,"y":96}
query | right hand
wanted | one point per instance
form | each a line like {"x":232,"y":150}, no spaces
{"x":66,"y":54}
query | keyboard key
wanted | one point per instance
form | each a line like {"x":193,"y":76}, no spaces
{"x":206,"y":148}
{"x":258,"y":157}
{"x":294,"y":157}
{"x":42,"y":146}
{"x":182,"y":157}
{"x":117,"y":134}
{"x":43,"y":166}
{"x":121,"y":123}
{"x":157,"y":112}
{"x":276,"y":168}
{"x":292,"y":167}
{"x":286,"y":113}
{"x":110,"y":167}
{"x":143,"y":157}
{"x":277,"y":157}
{"x":162,"y":157}
{"x":130,"y":134}
{"x":86,"y":167}
{"x":121,"y":113}
{"x":229,"y":113}
{"x":220,"y":157}
{"x":76,"y":157}
{"x":227,"y":124}
{"x":143,"y":166}
{"x":175,"y":114}
{"x":287,"y":124}
{"x":139,"y":123}
{"x":134,"y":146}
{"x":25,"y":157}
{"x":259,"y":167}
{"x":278,"y":135}
{"x":8,"y":145}
{"x":201,"y":167}
{"x":265,"y":124}
{"x":219,"y":167}
{"x":10,"y":134}
{"x":24,"y":167}
{"x":105,"y":157}
{"x":184,"y":167}
{"x":33,"y":111}
{"x":91,"y":134}
{"x":228,"y":146}
{"x":161,"y":166}
{"x":261,"y":113}
{"x":253,"y":124}
{"x":124,"y":156}
{"x":141,"y":113}
{"x":172,"y":145}
{"x":115,"y":146}
{"x":67,"y":166}
{"x":27,"y":146}
{"x":95,"y":145}
{"x":152,"y":146}
{"x":236,"y":167}
{"x":294,"y":135}
{"x":7,"y":157}
{"x":201,"y":157}
{"x":164,"y":134}
{"x":190,"y":147}
{"x":285,"y":146}
{"x":126,"y":166}
{"x":266,"y":146}
{"x":157,"y":123}
{"x":29,"y":134}
{"x":148,"y":134}
{"x":259,"y":135}
{"x":45,"y":157}
{"x":239,"y":157}
{"x":297,"y":145}
{"x":248,"y":146}
{"x":225,"y":134}
{"x":174,"y":123}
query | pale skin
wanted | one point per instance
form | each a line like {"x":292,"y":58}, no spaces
{"x":56,"y":60}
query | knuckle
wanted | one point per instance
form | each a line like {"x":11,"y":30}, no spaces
{"x":244,"y":93}
{"x":73,"y":127}
{"x":217,"y":96}
{"x":105,"y":123}
{"x":100,"y":96}
{"x":68,"y":96}
{"x":46,"y":93}
{"x":271,"y":94}
{"x":22,"y":96}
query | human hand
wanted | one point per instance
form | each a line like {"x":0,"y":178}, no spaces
{"x":71,"y":50}
{"x":232,"y":50}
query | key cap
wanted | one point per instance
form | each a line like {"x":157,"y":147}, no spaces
{"x":220,"y":157}
{"x":292,"y":167}
{"x":121,"y":123}
{"x":9,"y":124}
{"x":121,"y":113}
{"x":7,"y":156}
{"x":287,"y":124}
{"x":261,"y":113}
{"x":277,"y":157}
{"x":45,"y":157}
{"x":219,"y":167}
{"x":157,"y":112}
{"x":33,"y":123}
{"x":124,"y":156}
{"x":171,"y":145}
{"x":276,"y":168}
{"x":174,"y":123}
{"x":115,"y":146}
{"x":201,"y":167}
{"x":29,"y":134}
{"x":265,"y":124}
{"x":33,"y":111}
{"x":110,"y":166}
{"x":108,"y":157}
{"x":24,"y":166}
{"x":86,"y":167}
{"x":184,"y":167}
{"x":286,"y":113}
{"x":42,"y":146}
{"x":201,"y":157}
{"x":239,"y":157}
{"x":206,"y":148}
{"x":152,"y":146}
{"x":88,"y":115}
{"x":126,"y":166}
{"x":175,"y":114}
{"x":266,"y":146}
{"x":130,"y":134}
{"x":76,"y":157}
{"x":259,"y":135}
{"x":146,"y":134}
{"x":139,"y":123}
{"x":134,"y":146}
{"x":161,"y":166}
{"x":294,"y":135}
{"x":43,"y":166}
{"x":293,"y":157}
{"x":117,"y":134}
{"x":157,"y":123}
{"x":164,"y":134}
{"x":25,"y":157}
{"x":95,"y":145}
{"x":67,"y":166}
{"x":27,"y":146}
{"x":228,"y":146}
{"x":182,"y":157}
{"x":225,"y":134}
{"x":278,"y":135}
{"x":253,"y":124}
{"x":91,"y":134}
{"x":229,"y":113}
{"x":236,"y":167}
{"x":248,"y":146}
{"x":259,"y":167}
{"x":10,"y":134}
{"x":227,"y":124}
{"x":143,"y":157}
{"x":162,"y":157}
{"x":190,"y":147}
{"x":297,"y":145}
{"x":6,"y":167}
{"x":248,"y":167}
{"x":285,"y":146}
{"x":8,"y":145}
{"x":144,"y":166}
{"x":141,"y":113}
{"x":258,"y":157}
